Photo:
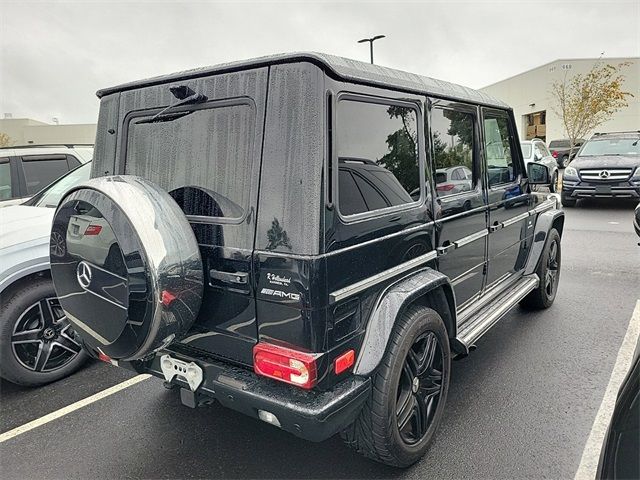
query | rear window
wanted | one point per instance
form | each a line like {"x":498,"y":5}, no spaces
{"x":441,"y":177}
{"x":377,"y":156}
{"x":559,"y":144}
{"x":6,"y":192}
{"x":40,"y":171}
{"x":202,"y":157}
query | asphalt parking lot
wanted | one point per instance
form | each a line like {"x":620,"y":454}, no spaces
{"x":522,"y":405}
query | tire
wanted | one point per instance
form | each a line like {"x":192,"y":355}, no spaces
{"x":36,"y":347}
{"x":549,"y":273}
{"x":376,"y":433}
{"x":567,"y":201}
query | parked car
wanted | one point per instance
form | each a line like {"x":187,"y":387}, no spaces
{"x":560,"y":150}
{"x":28,"y":169}
{"x":328,"y":299}
{"x":37,"y":344}
{"x":607,"y":166}
{"x":536,"y":151}
{"x":619,"y":457}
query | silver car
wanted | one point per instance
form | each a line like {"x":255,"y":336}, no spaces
{"x":536,"y":151}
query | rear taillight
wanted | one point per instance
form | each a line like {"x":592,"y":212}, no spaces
{"x":554,"y":154}
{"x":445,"y":187}
{"x":285,"y":364}
{"x":93,"y":230}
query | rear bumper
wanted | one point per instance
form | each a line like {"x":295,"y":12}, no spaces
{"x":311,"y":415}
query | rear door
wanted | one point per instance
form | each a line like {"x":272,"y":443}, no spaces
{"x":461,"y":222}
{"x":207,"y":156}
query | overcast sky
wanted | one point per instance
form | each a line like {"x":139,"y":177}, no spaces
{"x":55,"y":55}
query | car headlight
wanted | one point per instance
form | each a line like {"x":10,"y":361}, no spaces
{"x":570,"y":172}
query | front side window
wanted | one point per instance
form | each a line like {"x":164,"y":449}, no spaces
{"x":377,"y":150}
{"x":452,"y":136}
{"x":40,"y":172}
{"x":500,"y":165}
{"x":202,"y":157}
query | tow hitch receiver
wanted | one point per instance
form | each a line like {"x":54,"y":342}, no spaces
{"x":189,"y":372}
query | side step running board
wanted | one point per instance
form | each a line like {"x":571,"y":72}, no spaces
{"x":486,"y":318}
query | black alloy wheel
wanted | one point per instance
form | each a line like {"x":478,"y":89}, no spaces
{"x":42,"y":339}
{"x":553,"y":266}
{"x":409,"y":391}
{"x":420,"y":388}
{"x":37,"y":343}
{"x":548,"y":272}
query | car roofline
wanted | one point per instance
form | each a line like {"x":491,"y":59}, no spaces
{"x":341,"y":68}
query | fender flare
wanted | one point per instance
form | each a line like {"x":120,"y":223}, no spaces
{"x":390,"y":306}
{"x":544,"y":223}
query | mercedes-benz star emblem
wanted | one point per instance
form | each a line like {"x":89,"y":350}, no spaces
{"x":604,"y":174}
{"x":84,"y":273}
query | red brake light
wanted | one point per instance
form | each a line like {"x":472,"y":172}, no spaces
{"x":93,"y":230}
{"x":554,"y":154}
{"x":345,"y":361}
{"x":103,"y":357}
{"x":284,"y":364}
{"x":445,"y":187}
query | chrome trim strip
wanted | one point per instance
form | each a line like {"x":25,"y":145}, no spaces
{"x":471,"y":238}
{"x":358,"y":287}
{"x":515,"y":219}
{"x":491,"y":292}
{"x":543,"y":207}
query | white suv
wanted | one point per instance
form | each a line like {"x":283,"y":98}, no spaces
{"x":28,"y":169}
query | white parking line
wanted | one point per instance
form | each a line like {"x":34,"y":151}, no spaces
{"x":71,"y":408}
{"x":591,"y":454}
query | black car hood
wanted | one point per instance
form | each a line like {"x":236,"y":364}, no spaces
{"x":606,"y":161}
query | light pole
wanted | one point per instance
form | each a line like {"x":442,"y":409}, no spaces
{"x":371,"y":40}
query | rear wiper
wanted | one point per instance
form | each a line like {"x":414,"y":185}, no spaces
{"x":185,"y":96}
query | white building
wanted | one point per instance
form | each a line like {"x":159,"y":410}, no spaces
{"x":528,"y":93}
{"x":25,"y":131}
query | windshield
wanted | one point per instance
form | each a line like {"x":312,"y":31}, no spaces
{"x":51,"y":195}
{"x":526,"y":149}
{"x":611,"y":146}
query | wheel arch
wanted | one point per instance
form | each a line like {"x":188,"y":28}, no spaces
{"x":426,"y":287}
{"x":544,"y":223}
{"x":27,"y":276}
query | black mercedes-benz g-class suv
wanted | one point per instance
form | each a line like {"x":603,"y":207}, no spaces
{"x":607,"y":166}
{"x":270,"y":234}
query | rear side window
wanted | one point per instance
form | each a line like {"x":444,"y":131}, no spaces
{"x":377,"y":148}
{"x":559,"y":144}
{"x":6,"y":192}
{"x":500,"y":164}
{"x":41,"y":171}
{"x":202,"y":157}
{"x":452,"y":136}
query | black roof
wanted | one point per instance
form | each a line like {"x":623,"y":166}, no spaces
{"x":342,"y":68}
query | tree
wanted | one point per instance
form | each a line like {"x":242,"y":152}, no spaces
{"x":585,"y":101}
{"x":5,"y":140}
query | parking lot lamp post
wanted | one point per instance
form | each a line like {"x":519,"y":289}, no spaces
{"x":371,"y":40}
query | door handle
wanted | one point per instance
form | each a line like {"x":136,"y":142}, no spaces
{"x":444,"y":249}
{"x":494,"y":227}
{"x":240,"y":278}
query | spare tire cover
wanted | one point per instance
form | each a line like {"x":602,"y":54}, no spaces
{"x":126,"y":266}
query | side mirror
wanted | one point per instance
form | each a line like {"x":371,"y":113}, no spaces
{"x":538,"y":174}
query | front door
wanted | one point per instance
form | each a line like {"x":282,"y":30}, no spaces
{"x":509,"y":223}
{"x":460,"y":206}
